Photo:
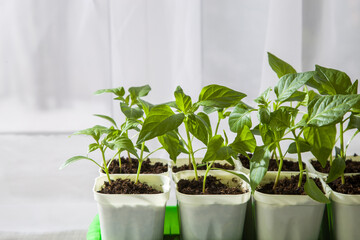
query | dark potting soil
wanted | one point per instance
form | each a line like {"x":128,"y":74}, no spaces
{"x":146,"y":167}
{"x":215,"y":165}
{"x":125,"y":186}
{"x":351,"y":186}
{"x":212,"y":186}
{"x":286,"y":167}
{"x":351,"y":166}
{"x":288,"y":186}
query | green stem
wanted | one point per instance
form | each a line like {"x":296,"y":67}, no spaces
{"x":348,"y":143}
{"x":140,"y":160}
{"x":105,"y":165}
{"x":280,"y":164}
{"x":342,"y":148}
{"x":301,"y":169}
{"x":200,"y":149}
{"x":206,"y":173}
{"x":146,"y":157}
{"x":218,"y":123}
{"x":191,"y":152}
{"x":276,"y":158}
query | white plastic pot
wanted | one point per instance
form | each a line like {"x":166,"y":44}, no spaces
{"x":346,"y":212}
{"x":247,"y":171}
{"x":287,"y":217}
{"x":183,"y":161}
{"x":212,"y":216}
{"x":153,"y":161}
{"x":132,"y":216}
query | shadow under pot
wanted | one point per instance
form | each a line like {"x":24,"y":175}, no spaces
{"x":132,"y":216}
{"x":286,"y":216}
{"x":212,"y":216}
{"x":345,"y":204}
{"x":289,"y":165}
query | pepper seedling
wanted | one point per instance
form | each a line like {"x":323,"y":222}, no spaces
{"x":339,"y":99}
{"x":278,"y":118}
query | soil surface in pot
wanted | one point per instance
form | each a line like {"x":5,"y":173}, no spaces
{"x":288,"y":166}
{"x":212,"y":186}
{"x":126,"y":186}
{"x":146,"y":167}
{"x":288,"y":186}
{"x":351,"y":186}
{"x":215,"y":165}
{"x":351,"y":166}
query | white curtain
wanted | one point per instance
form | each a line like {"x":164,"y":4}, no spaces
{"x":55,"y":54}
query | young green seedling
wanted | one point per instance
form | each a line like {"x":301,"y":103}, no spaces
{"x":132,"y":107}
{"x":197,"y":125}
{"x":325,"y":112}
{"x":278,"y":118}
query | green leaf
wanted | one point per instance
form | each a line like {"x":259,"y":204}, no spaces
{"x":337,"y":167}
{"x":289,"y":84}
{"x":93,"y":147}
{"x":239,"y":118}
{"x":133,"y":113}
{"x":353,"y":89}
{"x":205,"y":118}
{"x":280,"y":119}
{"x":321,"y":140}
{"x":314,"y":192}
{"x":267,"y":135}
{"x":219,"y":96}
{"x":136,"y":92}
{"x":146,"y":106}
{"x":304,"y":146}
{"x":171,"y":143}
{"x":264,"y":115}
{"x":77,"y":158}
{"x":182,"y":100}
{"x":339,"y":81}
{"x":279,"y":66}
{"x":110,"y":119}
{"x":258,"y":165}
{"x":139,"y":146}
{"x":209,"y":110}
{"x":120,"y":91}
{"x":199,"y":128}
{"x":238,"y":174}
{"x":297,"y":96}
{"x":327,"y":110}
{"x":96,"y":132}
{"x":125,"y":144}
{"x":244,"y":142}
{"x":161,"y":119}
{"x":129,"y":124}
{"x":216,"y":150}
{"x":354,"y":122}
{"x":264,"y":97}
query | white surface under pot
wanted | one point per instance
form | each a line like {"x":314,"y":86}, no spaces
{"x":287,"y":217}
{"x":133,"y":216}
{"x":212,"y":216}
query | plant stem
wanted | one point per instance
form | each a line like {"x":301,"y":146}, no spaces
{"x":342,"y":149}
{"x":105,"y":165}
{"x":191,"y":152}
{"x":218,"y":123}
{"x":140,"y":160}
{"x":299,"y":157}
{"x":280,"y":165}
{"x":208,"y":167}
{"x":276,"y":158}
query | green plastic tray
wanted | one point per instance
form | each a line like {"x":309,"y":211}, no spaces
{"x":171,"y":225}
